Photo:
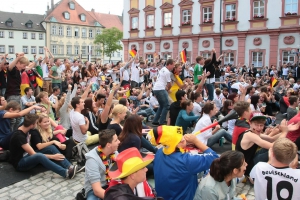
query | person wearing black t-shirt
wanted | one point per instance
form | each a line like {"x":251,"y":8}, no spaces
{"x":24,"y":158}
{"x":3,"y":76}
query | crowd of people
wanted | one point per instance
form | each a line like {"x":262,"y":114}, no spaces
{"x":49,"y":106}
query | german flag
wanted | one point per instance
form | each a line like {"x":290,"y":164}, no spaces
{"x":133,"y":52}
{"x":25,"y":82}
{"x":273,"y":82}
{"x":183,"y":55}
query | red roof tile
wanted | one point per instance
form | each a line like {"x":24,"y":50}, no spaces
{"x":63,"y":6}
{"x":108,"y":20}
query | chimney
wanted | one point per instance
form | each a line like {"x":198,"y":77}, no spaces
{"x":47,"y":6}
{"x":93,"y":10}
{"x":52,"y":4}
{"x":21,"y":11}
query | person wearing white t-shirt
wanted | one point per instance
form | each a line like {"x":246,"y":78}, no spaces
{"x":124,"y":74}
{"x":135,"y":73}
{"x":160,"y":89}
{"x":276,"y":180}
{"x":75,"y":66}
{"x":197,"y":107}
{"x":285,"y":72}
{"x":153,"y":71}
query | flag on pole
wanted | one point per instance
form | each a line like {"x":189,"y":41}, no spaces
{"x":183,"y":55}
{"x":273,"y":81}
{"x":133,"y":52}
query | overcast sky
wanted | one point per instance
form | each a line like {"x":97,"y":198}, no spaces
{"x":40,"y":6}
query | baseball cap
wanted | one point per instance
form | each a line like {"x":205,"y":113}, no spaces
{"x":257,"y":115}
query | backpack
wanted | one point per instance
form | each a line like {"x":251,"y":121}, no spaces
{"x":78,"y":153}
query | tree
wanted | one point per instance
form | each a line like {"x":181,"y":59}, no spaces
{"x":109,"y":40}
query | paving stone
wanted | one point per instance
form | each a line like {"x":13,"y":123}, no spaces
{"x":23,"y":196}
{"x":17,"y":193}
{"x":35,"y":197}
{"x":3,"y":194}
{"x":38,"y":189}
{"x":47,"y":192}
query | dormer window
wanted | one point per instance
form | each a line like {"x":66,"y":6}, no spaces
{"x":82,"y":17}
{"x":29,"y":25}
{"x":72,"y":6}
{"x":9,"y":22}
{"x":67,"y":15}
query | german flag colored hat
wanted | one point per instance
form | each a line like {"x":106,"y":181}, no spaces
{"x":168,"y":136}
{"x":128,"y":162}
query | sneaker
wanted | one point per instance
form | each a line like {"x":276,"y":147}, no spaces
{"x":72,"y":171}
{"x":80,"y":168}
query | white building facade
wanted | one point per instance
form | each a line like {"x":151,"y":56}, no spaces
{"x":259,"y":32}
{"x":20,"y":32}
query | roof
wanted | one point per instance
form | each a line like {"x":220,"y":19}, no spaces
{"x":62,"y":7}
{"x":20,"y":19}
{"x":108,"y":20}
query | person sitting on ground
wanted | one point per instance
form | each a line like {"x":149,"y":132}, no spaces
{"x":242,"y":123}
{"x":118,"y":114}
{"x":130,"y":167}
{"x":3,"y":103}
{"x":222,"y":179}
{"x":175,"y":106}
{"x":254,"y":144}
{"x":19,"y":147}
{"x":275,"y":179}
{"x":210,"y":137}
{"x":97,"y":163}
{"x":12,"y":110}
{"x":28,"y":99}
{"x":44,"y":100}
{"x":292,"y":109}
{"x":175,"y":171}
{"x":186,"y":117}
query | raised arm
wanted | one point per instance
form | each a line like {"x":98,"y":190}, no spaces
{"x":105,"y":112}
{"x":86,"y":92}
{"x":15,"y":61}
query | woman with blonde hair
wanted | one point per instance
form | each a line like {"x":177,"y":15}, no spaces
{"x":118,"y":114}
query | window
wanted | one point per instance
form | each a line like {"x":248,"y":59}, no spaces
{"x":287,"y":57}
{"x":11,"y":49}
{"x":1,"y":34}
{"x":206,"y":55}
{"x":9,"y":24}
{"x":61,"y":49}
{"x":83,"y":50}
{"x":150,"y":57}
{"x":291,"y":6}
{"x":167,"y":19}
{"x":60,"y":30}
{"x":41,"y":36}
{"x":90,"y":33}
{"x":134,"y":23}
{"x":98,"y":32}
{"x":33,"y":49}
{"x":186,"y":16}
{"x":118,"y":54}
{"x":29,"y":25}
{"x":91,"y":50}
{"x":67,"y":15}
{"x":25,"y":49}
{"x":76,"y":34}
{"x":33,"y":36}
{"x":54,"y":30}
{"x":11,"y":34}
{"x":2,"y":49}
{"x":82,"y":17}
{"x":24,"y":35}
{"x":54,"y":48}
{"x":258,"y":8}
{"x":257,"y":59}
{"x":98,"y":52}
{"x":229,"y":58}
{"x":150,"y":21}
{"x":83,"y":32}
{"x":69,"y":31}
{"x":72,"y":5}
{"x":230,"y":11}
{"x":69,"y":49}
{"x":207,"y":14}
{"x":76,"y":52}
{"x":41,"y":50}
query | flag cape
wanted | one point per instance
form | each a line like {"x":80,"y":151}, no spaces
{"x":183,"y":55}
{"x":133,"y":52}
{"x":39,"y":81}
{"x":25,"y":82}
{"x":273,"y":81}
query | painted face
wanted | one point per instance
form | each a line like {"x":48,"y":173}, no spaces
{"x":257,"y":127}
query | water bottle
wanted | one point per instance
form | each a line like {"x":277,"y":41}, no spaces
{"x":221,"y":141}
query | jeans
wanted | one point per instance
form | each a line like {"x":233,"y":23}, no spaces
{"x":210,"y":87}
{"x":91,"y":196}
{"x":28,"y":162}
{"x":163,"y":100}
{"x":215,"y":137}
{"x":53,"y":150}
{"x":4,"y":143}
{"x":14,"y":122}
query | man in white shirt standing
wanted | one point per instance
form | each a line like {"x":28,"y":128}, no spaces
{"x":160,"y":89}
{"x":135,"y":73}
